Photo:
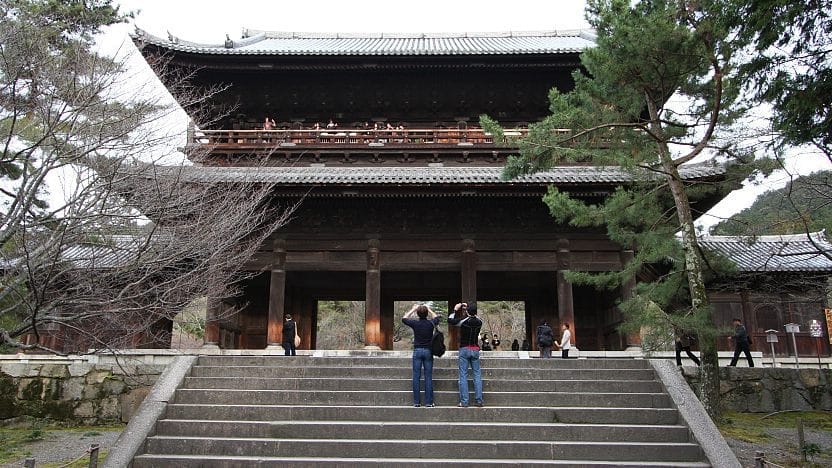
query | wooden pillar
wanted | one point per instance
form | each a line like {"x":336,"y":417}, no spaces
{"x":388,"y":321}
{"x":372,"y":300}
{"x":469,"y":271}
{"x":566,"y":308}
{"x":468,"y":285}
{"x":627,"y":288}
{"x":277,"y":294}
{"x":212,"y":326}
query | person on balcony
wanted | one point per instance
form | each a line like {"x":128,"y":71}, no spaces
{"x":269,"y":124}
{"x":331,"y":125}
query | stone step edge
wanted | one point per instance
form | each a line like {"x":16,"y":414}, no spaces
{"x":185,"y":439}
{"x":485,"y":408}
{"x":408,"y":391}
{"x":410,"y":461}
{"x":461,"y":424}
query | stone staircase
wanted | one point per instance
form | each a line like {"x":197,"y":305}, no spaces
{"x":356,"y":411}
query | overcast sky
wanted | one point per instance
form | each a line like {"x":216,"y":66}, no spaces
{"x":210,"y":20}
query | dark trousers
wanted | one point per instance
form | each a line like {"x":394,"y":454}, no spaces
{"x":742,"y":348}
{"x":289,"y":347}
{"x":564,"y":353}
{"x":686,"y":349}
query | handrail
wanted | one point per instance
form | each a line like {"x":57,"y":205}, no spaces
{"x":290,"y":137}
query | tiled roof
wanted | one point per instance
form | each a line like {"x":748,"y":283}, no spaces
{"x":280,"y":43}
{"x":795,"y":252}
{"x":117,"y":251}
{"x":421,"y":175}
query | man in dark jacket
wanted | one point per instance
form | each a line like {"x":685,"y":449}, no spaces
{"x":741,"y":343}
{"x":289,"y":332}
{"x":465,"y":317}
{"x":545,"y":339}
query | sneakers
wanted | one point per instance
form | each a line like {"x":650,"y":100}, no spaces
{"x":416,"y":405}
{"x":478,"y":404}
{"x":462,"y":405}
{"x":430,"y":405}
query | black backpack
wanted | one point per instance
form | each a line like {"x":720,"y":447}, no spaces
{"x":437,"y":343}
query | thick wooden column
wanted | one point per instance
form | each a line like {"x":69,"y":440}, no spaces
{"x":213,"y":309}
{"x":277,"y":294}
{"x":627,"y":288}
{"x":372,"y":300}
{"x":388,"y":321}
{"x":469,"y":271}
{"x":468,"y":289}
{"x":566,"y":308}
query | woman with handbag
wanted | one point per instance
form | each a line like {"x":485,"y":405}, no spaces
{"x":290,"y":335}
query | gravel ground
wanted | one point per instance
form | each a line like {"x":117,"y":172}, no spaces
{"x":64,"y":446}
{"x":67,"y":445}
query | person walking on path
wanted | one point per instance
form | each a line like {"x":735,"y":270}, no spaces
{"x":741,"y":343}
{"x":565,"y":341}
{"x":545,"y":339}
{"x":683,"y":342}
{"x":465,"y":317}
{"x":423,"y":321}
{"x":289,"y":332}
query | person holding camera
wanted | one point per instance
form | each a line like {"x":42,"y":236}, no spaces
{"x":465,"y":317}
{"x":423,"y":321}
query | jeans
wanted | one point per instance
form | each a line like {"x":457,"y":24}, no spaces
{"x":545,"y":351}
{"x":422,"y":358}
{"x":469,"y":356}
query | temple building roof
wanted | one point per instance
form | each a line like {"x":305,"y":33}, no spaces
{"x":423,"y":175}
{"x":304,"y":44}
{"x":793,"y":252}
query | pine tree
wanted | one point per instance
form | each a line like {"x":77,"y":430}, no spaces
{"x":618,"y":114}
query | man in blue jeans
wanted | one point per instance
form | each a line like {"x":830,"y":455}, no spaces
{"x":423,"y":321}
{"x":465,"y":317}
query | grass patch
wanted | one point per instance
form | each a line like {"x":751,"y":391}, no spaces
{"x":817,"y":420}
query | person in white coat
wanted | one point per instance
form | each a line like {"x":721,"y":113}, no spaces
{"x":565,"y":342}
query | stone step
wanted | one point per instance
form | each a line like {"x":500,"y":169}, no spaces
{"x":239,"y":461}
{"x":539,"y":415}
{"x":404,"y":397}
{"x":404,"y":372}
{"x":378,"y":448}
{"x":439,"y":384}
{"x":440,"y":429}
{"x":448,"y":360}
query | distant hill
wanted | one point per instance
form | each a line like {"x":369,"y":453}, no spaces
{"x":805,"y":201}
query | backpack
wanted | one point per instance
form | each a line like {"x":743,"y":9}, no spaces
{"x":437,"y":343}
{"x":544,"y":336}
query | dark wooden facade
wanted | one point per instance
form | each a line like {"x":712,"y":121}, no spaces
{"x":410,"y":213}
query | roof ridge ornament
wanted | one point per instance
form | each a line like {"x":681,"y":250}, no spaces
{"x":229,"y":44}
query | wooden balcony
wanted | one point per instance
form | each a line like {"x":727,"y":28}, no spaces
{"x":242,"y":140}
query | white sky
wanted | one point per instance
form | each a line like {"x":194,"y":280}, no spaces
{"x":210,"y":20}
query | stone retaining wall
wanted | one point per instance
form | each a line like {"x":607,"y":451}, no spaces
{"x":766,"y":390}
{"x":78,"y":391}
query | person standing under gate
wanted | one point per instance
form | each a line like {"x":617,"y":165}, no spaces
{"x":465,"y":317}
{"x":289,"y":332}
{"x":741,"y":343}
{"x":423,"y":321}
{"x":545,"y":339}
{"x":565,"y":341}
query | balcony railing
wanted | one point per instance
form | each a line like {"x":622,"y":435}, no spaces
{"x":337,"y":138}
